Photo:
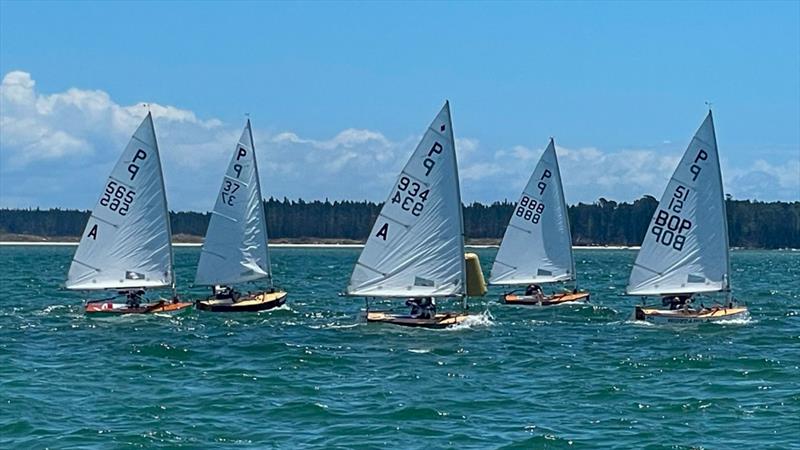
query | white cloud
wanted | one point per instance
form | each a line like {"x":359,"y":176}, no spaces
{"x":56,"y":150}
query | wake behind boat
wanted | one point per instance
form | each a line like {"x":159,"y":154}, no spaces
{"x":685,"y":250}
{"x":126,"y":246}
{"x":235,"y":249}
{"x":415,"y":250}
{"x":537,"y":245}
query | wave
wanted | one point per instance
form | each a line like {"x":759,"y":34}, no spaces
{"x":484,"y":319}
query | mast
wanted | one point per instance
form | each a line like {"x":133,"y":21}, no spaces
{"x":260,"y":198}
{"x":166,"y":210}
{"x":728,"y":292}
{"x":565,"y":208}
{"x":460,"y":206}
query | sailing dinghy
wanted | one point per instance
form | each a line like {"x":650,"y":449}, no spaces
{"x":685,"y":250}
{"x":416,"y":247}
{"x":126,"y":246}
{"x":235,"y":249}
{"x":537,"y":245}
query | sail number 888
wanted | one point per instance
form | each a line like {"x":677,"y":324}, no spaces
{"x":530,"y":209}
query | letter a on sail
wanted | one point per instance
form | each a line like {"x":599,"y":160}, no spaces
{"x":416,"y":246}
{"x":126,"y":243}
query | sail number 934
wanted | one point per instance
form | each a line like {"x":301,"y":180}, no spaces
{"x":410,"y":196}
{"x":117,"y":198}
{"x":530,"y":209}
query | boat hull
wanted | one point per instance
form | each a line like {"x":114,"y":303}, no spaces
{"x":111,"y":308}
{"x":555,"y":299}
{"x":251,"y":303}
{"x":441,"y":320}
{"x":666,"y":316}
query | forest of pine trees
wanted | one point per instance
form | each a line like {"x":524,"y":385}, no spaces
{"x":751,"y":224}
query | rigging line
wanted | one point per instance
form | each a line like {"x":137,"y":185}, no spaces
{"x":224,"y":216}
{"x":394,"y":220}
{"x":104,"y":221}
{"x":647,"y":269}
{"x":511,"y":225}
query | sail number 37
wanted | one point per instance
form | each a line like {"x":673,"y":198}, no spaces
{"x":228,"y":189}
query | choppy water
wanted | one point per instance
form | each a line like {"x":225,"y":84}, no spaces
{"x":313,"y":374}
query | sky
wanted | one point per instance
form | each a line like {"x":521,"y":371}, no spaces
{"x":340,"y":93}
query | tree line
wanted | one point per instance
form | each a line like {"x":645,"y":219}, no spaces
{"x":751,"y":224}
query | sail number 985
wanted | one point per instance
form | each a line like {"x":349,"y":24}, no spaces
{"x":410,"y":196}
{"x":117,"y":198}
{"x":530,"y":209}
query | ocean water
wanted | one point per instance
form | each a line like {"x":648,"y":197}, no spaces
{"x":313,"y":374}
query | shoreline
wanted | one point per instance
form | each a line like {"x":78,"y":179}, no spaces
{"x":325,"y":245}
{"x":288,"y":245}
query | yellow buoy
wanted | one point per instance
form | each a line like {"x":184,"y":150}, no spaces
{"x":476,"y":285}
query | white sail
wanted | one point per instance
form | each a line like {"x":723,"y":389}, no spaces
{"x":685,"y":249}
{"x":416,"y":247}
{"x":235,"y":247}
{"x":537,"y":246}
{"x":126,"y":243}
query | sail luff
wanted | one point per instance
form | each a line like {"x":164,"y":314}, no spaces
{"x":166,"y":210}
{"x":565,"y":209}
{"x":261,"y":209}
{"x":724,"y":205}
{"x":460,"y":205}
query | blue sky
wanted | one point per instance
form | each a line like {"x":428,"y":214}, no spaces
{"x":341,"y":91}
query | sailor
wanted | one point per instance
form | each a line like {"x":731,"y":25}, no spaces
{"x":222,"y":292}
{"x":428,"y":306}
{"x":416,"y":307}
{"x":534,"y":290}
{"x":135,"y":298}
{"x":676,"y":301}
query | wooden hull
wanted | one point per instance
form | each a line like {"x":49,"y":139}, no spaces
{"x":441,"y":320}
{"x":251,"y":303}
{"x":111,"y":308}
{"x":555,"y":299}
{"x":678,"y":316}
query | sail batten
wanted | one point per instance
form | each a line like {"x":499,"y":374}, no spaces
{"x":685,"y":249}
{"x":235,"y":249}
{"x":416,"y":246}
{"x":537,"y":245}
{"x":127,"y":240}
